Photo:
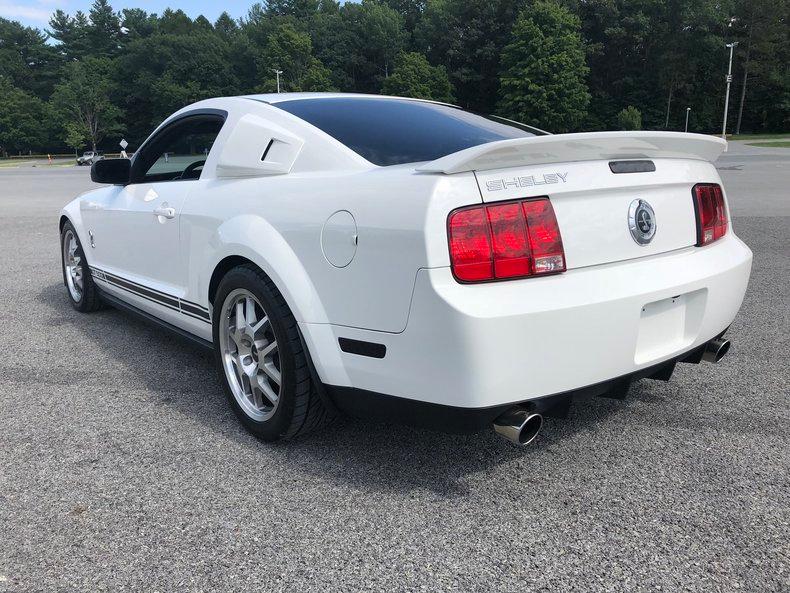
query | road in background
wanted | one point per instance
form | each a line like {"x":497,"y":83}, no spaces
{"x":123,"y":469}
{"x":757,"y":180}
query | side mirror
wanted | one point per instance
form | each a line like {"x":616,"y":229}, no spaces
{"x":115,"y":171}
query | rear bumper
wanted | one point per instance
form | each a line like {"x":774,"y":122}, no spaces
{"x":454,"y":419}
{"x":486,"y":346}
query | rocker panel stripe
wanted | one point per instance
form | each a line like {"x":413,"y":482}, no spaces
{"x":171,"y":302}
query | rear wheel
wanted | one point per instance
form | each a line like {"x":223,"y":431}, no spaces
{"x":76,"y":273}
{"x":261,"y":359}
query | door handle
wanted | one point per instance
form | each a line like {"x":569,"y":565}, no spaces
{"x":165,"y":210}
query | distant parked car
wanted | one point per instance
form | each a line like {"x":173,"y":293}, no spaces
{"x":89,"y":157}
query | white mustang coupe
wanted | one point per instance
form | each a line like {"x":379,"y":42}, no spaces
{"x":407,"y":259}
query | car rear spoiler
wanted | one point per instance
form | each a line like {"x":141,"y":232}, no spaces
{"x":590,"y":146}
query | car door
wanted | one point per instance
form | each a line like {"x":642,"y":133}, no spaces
{"x":135,"y":229}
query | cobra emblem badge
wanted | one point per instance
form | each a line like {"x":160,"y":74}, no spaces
{"x":641,"y":222}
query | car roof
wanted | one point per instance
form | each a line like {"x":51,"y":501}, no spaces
{"x":274,"y":98}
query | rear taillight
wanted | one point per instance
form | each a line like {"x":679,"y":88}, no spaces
{"x":505,"y":240}
{"x":711,"y":213}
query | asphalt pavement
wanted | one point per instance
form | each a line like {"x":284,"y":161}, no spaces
{"x":123,"y":469}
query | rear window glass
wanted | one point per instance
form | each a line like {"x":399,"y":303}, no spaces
{"x":397,"y":131}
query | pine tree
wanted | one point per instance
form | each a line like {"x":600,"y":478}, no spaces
{"x":544,"y":69}
{"x":104,"y":31}
{"x":72,"y":33}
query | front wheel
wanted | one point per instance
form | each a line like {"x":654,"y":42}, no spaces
{"x":261,"y":360}
{"x":76,"y":273}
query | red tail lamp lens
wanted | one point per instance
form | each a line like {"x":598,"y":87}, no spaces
{"x":712,"y":222}
{"x":509,"y":237}
{"x":470,"y":245}
{"x":506,"y":240}
{"x":544,"y":237}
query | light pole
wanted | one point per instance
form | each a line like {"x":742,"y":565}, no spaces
{"x":688,"y":110}
{"x":727,"y":96}
{"x":277,"y":72}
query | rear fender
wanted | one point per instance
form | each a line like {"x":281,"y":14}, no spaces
{"x":253,"y":238}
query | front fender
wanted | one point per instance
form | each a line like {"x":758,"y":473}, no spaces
{"x":90,"y":200}
{"x":72,"y":212}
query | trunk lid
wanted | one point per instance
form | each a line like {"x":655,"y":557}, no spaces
{"x":592,"y":202}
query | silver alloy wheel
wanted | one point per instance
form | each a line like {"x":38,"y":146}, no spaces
{"x":250,"y":355}
{"x":73,"y":266}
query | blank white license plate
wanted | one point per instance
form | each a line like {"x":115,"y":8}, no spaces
{"x":663,"y":328}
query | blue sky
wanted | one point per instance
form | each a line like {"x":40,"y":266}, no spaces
{"x":36,"y":13}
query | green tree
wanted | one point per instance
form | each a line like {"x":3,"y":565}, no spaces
{"x":300,"y":9}
{"x":467,"y":38}
{"x":138,"y":23}
{"x":75,"y":136}
{"x":629,"y":118}
{"x":410,"y":10}
{"x":414,"y":77}
{"x":82,"y":101}
{"x":72,"y":33}
{"x":659,"y":55}
{"x":225,"y":26}
{"x":544,"y":70}
{"x":761,"y":65}
{"x":175,"y":22}
{"x":158,"y":74}
{"x":336,"y":46}
{"x":26,"y":60}
{"x":22,"y":120}
{"x":691,"y":48}
{"x":203,"y":23}
{"x":104,"y":30}
{"x":359,"y":43}
{"x":616,"y":36}
{"x":290,"y":51}
{"x":380,"y":36}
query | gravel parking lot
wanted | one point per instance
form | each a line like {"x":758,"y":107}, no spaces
{"x":123,"y":469}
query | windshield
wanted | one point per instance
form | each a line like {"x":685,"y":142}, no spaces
{"x":396,"y":131}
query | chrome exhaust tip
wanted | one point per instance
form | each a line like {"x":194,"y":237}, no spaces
{"x":715,"y":350}
{"x":519,"y":425}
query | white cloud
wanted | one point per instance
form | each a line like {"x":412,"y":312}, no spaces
{"x":24,"y":11}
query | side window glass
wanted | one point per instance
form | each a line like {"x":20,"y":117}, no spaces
{"x":180,"y":152}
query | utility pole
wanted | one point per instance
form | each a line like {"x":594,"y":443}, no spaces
{"x":727,"y":96}
{"x":688,"y":110}
{"x":746,"y":68}
{"x":277,"y":72}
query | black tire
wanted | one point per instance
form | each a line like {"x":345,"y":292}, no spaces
{"x":300,"y":408}
{"x":89,"y":299}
